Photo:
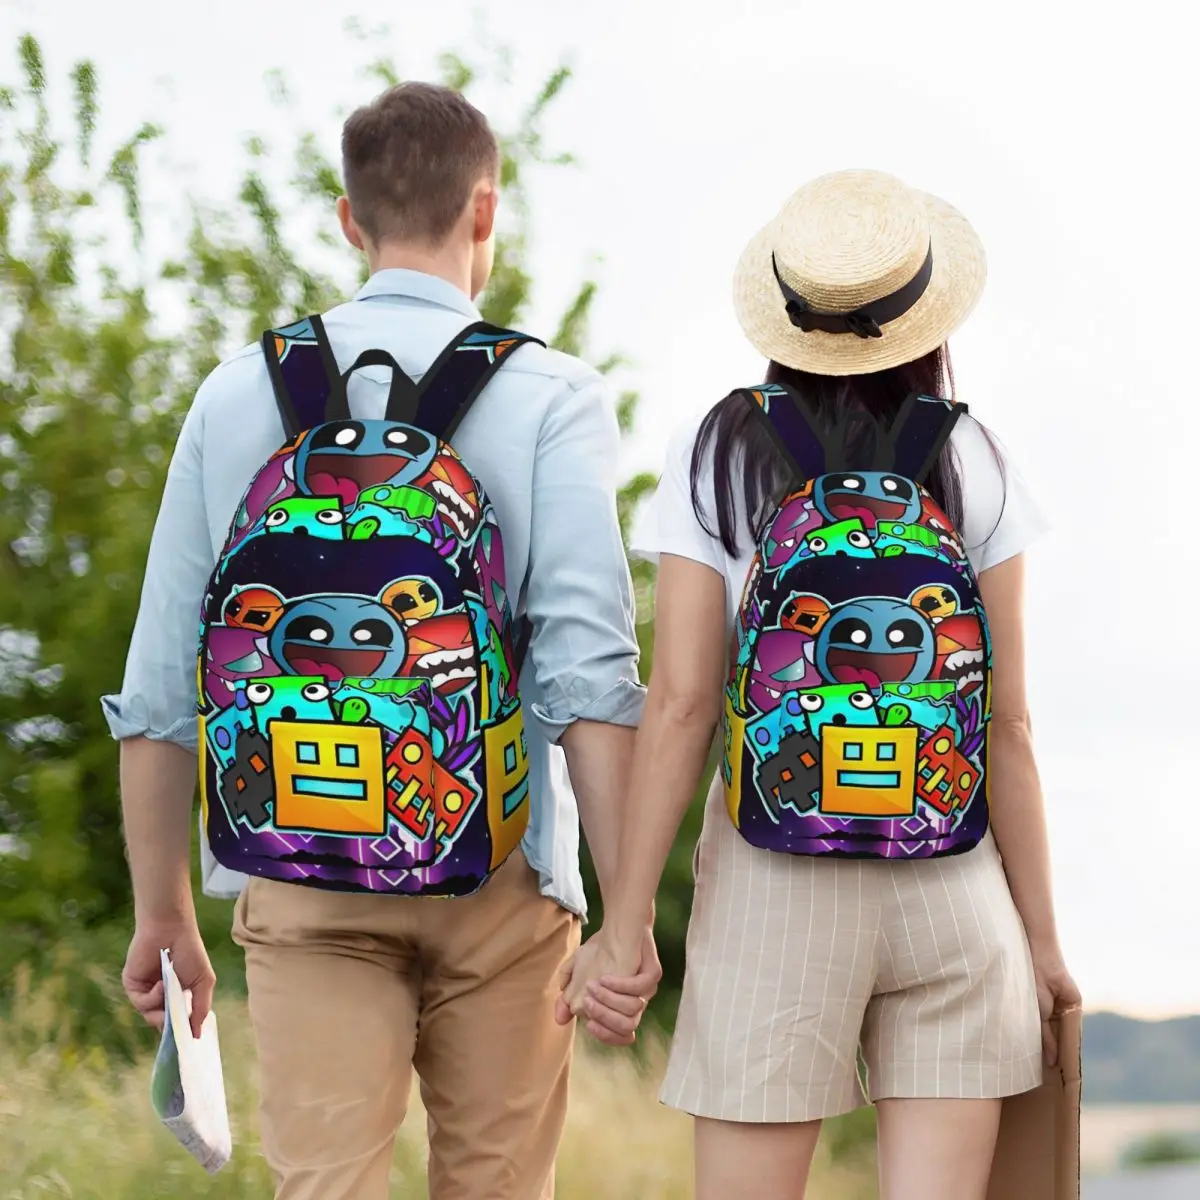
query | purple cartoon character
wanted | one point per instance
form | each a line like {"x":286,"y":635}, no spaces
{"x":785,"y":539}
{"x":783,"y":662}
{"x":238,"y":648}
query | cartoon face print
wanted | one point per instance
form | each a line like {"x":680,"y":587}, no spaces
{"x":876,"y":640}
{"x":783,"y":662}
{"x":412,"y":600}
{"x":490,"y":570}
{"x":412,"y":502}
{"x":496,"y":686}
{"x":386,"y":702}
{"x":321,"y":518}
{"x":253,"y":608}
{"x":960,"y":656}
{"x":847,"y":539}
{"x":272,"y":484}
{"x":457,"y":497}
{"x":894,"y":537}
{"x":869,"y":496}
{"x":748,"y":588}
{"x":805,"y":612}
{"x":834,"y":704}
{"x":934,"y":519}
{"x":936,"y":601}
{"x":442,"y":650}
{"x":950,"y":543}
{"x":343,"y":458}
{"x":929,"y":705}
{"x":797,"y":518}
{"x":337,"y":636}
{"x":232,"y":654}
{"x":288,"y":698}
{"x":373,"y":520}
{"x":868,"y":772}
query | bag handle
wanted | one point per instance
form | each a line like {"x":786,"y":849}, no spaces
{"x":460,"y":373}
{"x":304,"y":376}
{"x":917,"y":435}
{"x":402,"y":392}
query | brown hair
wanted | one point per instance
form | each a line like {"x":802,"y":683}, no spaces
{"x":410,"y":159}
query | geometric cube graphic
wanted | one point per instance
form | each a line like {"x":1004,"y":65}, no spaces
{"x":792,"y":776}
{"x":421,"y":794}
{"x":246,"y":784}
{"x":506,"y":766}
{"x":964,"y":781}
{"x":929,"y":704}
{"x":328,"y":777}
{"x":868,"y":771}
{"x":935,"y":768}
{"x":222,"y":730}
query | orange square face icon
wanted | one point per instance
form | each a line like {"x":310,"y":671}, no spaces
{"x":868,"y":771}
{"x":328,"y":778}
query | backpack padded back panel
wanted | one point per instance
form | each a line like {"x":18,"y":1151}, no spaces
{"x":361,"y":727}
{"x":856,"y":713}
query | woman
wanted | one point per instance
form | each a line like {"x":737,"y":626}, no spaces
{"x":904,"y":910}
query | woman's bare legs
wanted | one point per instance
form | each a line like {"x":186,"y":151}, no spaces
{"x":752,"y":1161}
{"x":936,"y":1149}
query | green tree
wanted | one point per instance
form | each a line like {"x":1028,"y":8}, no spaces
{"x":93,"y":385}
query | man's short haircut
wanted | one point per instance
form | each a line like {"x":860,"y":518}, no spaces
{"x":410,"y":160}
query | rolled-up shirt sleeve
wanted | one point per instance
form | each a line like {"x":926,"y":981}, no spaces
{"x":158,"y":695}
{"x":579,"y":595}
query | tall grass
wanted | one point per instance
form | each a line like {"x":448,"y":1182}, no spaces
{"x":77,"y":1123}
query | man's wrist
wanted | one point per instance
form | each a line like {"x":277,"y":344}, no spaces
{"x":165,"y":911}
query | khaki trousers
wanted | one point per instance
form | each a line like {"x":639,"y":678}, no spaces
{"x":350,"y":992}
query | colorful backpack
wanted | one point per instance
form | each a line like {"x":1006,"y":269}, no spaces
{"x":856,"y":714}
{"x":360,"y":723}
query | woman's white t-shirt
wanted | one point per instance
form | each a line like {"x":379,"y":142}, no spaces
{"x":1000,"y":518}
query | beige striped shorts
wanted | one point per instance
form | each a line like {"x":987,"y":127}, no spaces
{"x":796,"y":966}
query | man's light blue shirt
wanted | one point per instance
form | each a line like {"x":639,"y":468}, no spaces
{"x":543,"y":441}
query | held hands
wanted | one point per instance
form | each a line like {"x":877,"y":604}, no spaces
{"x":609,"y":987}
{"x":142,"y":976}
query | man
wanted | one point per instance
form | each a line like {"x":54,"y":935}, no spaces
{"x":348,"y":992}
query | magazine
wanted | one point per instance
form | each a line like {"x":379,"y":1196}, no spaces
{"x":187,"y":1087}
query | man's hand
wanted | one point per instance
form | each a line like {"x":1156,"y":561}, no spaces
{"x":609,"y":988}
{"x":142,"y":977}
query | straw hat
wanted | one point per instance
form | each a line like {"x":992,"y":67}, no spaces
{"x":857,"y":273}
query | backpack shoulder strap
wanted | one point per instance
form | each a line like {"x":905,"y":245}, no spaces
{"x":795,"y":431}
{"x":918,"y":433}
{"x":304,"y":376}
{"x":462,"y":370}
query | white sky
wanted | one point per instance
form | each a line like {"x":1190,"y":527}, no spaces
{"x":1066,"y":136}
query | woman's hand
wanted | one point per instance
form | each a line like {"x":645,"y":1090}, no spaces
{"x":1056,"y":992}
{"x":609,"y":985}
